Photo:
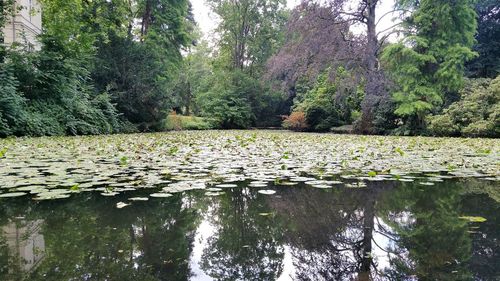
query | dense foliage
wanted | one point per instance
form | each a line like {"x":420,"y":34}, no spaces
{"x":95,"y":73}
{"x":429,"y":63}
{"x":487,"y":64}
{"x":476,"y":114}
{"x":120,"y":66}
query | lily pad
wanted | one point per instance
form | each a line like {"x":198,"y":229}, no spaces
{"x":12,"y":194}
{"x":267,"y":191}
{"x":160,"y":195}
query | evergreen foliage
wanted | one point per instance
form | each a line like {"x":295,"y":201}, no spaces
{"x":429,"y":63}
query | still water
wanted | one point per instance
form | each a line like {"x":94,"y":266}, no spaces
{"x":386,"y":231}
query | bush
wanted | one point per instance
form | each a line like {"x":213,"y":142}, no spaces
{"x":296,"y":121}
{"x":228,"y":99}
{"x":330,"y":104}
{"x":476,"y":114}
{"x":44,"y":93}
{"x":179,"y":122}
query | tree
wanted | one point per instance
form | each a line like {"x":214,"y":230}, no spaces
{"x":249,"y":33}
{"x":376,"y":85}
{"x":248,"y":30}
{"x":314,"y":41}
{"x":487,"y":64}
{"x":429,"y":62}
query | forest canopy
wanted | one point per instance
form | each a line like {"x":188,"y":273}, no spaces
{"x":144,"y":65}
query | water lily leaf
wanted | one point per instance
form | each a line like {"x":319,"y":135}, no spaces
{"x":138,"y":199}
{"x":227,"y":185}
{"x":120,"y":205}
{"x":213,"y":193}
{"x":473,"y":219}
{"x":160,"y":195}
{"x":12,"y":194}
{"x":267,"y":191}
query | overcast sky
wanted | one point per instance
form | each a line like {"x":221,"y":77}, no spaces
{"x":208,"y":22}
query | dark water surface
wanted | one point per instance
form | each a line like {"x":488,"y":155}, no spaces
{"x":385,"y":231}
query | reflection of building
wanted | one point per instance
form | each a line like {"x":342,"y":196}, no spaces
{"x":26,"y":25}
{"x":26,"y":244}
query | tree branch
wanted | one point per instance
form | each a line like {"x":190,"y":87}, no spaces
{"x":390,"y":12}
{"x":389,"y":28}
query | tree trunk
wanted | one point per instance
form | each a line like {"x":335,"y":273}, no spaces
{"x":146,"y":19}
{"x":368,"y":225}
{"x":373,"y":87}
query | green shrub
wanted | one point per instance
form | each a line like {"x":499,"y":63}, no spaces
{"x":228,"y":99}
{"x":179,"y":122}
{"x":330,"y":104}
{"x":476,"y":114}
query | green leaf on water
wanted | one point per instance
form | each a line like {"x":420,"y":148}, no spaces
{"x":473,"y":219}
{"x":75,"y":187}
{"x":123,"y":161}
{"x":173,"y":150}
{"x":372,"y":173}
{"x":3,"y":151}
{"x":400,"y":151}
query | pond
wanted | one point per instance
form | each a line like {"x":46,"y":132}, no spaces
{"x":249,"y":205}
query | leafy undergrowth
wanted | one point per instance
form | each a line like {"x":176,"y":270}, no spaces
{"x":179,"y":122}
{"x":55,"y":167}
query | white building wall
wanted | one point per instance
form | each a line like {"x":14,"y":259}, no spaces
{"x":26,"y":25}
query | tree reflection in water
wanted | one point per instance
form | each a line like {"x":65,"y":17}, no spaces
{"x":245,"y":244}
{"x":385,"y":231}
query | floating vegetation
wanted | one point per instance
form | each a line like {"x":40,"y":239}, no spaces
{"x":120,"y":205}
{"x":473,"y":219}
{"x":227,"y":185}
{"x":138,"y":199}
{"x":210,"y":193}
{"x":267,"y":191}
{"x":160,"y":195}
{"x":56,"y":167}
{"x":12,"y":194}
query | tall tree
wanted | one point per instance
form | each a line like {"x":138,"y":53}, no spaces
{"x":314,"y":41}
{"x":249,"y":29}
{"x":363,"y":12}
{"x":429,"y":62}
{"x":487,"y":64}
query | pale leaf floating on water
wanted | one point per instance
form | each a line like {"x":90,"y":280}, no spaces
{"x":214,"y":189}
{"x":138,"y":199}
{"x":120,"y":205}
{"x":160,"y":195}
{"x":12,"y":194}
{"x":267,"y":191}
{"x":210,"y":193}
{"x":426,"y":183}
{"x":109,"y":194}
{"x":227,"y":185}
{"x":321,"y":186}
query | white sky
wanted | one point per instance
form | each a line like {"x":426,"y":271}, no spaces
{"x":207,"y":21}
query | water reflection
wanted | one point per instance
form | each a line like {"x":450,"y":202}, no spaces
{"x":387,"y":231}
{"x":23,"y":245}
